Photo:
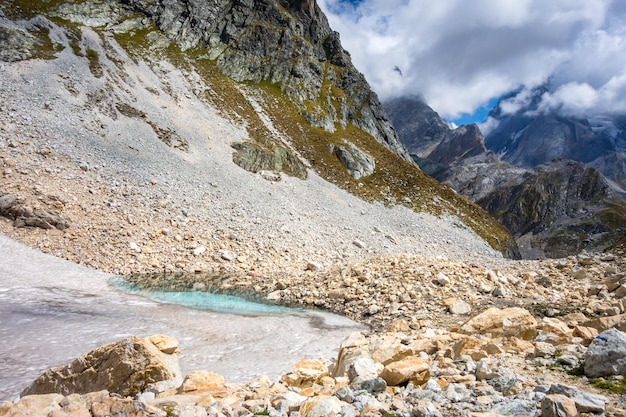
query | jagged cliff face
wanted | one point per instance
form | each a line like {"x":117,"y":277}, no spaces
{"x":274,"y":68}
{"x":288,"y":43}
{"x":530,"y":137}
{"x":559,"y":209}
{"x":556,"y":209}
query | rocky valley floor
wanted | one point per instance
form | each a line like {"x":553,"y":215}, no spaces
{"x":84,"y":183}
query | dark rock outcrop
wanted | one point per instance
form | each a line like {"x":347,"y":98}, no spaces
{"x":288,"y":43}
{"x":29,"y":214}
{"x":559,"y":209}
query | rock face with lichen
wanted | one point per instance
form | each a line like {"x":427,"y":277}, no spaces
{"x":288,"y":43}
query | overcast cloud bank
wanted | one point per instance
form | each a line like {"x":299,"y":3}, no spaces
{"x":458,"y":55}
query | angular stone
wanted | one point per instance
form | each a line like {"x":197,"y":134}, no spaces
{"x":352,"y":347}
{"x":585,"y":333}
{"x":358,"y":163}
{"x":363,"y":369}
{"x":442,"y":279}
{"x":127,"y":367}
{"x":507,"y":322}
{"x":306,"y":373}
{"x":426,"y":408}
{"x":411,"y":369}
{"x":389,"y":348}
{"x":35,"y":405}
{"x":585,"y":401}
{"x":620,"y":291}
{"x":556,"y":405}
{"x":457,"y":393}
{"x":372,"y":386}
{"x":166,"y":344}
{"x":321,"y":406}
{"x":200,"y":380}
{"x":459,"y":307}
{"x":556,"y":326}
{"x":603,"y":323}
{"x":606,"y":355}
{"x":487,"y":369}
{"x":544,"y":350}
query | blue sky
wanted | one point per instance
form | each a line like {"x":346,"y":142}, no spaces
{"x":462,"y":55}
{"x":478,"y":116}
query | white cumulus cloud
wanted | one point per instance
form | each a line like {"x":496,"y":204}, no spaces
{"x":459,"y":54}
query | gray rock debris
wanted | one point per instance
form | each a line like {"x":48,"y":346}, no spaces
{"x":606,"y":355}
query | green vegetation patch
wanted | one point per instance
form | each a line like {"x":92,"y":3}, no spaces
{"x":614,"y":216}
{"x":616,"y":386}
{"x":94,"y":63}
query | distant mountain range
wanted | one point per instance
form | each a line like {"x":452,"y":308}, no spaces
{"x":554,"y":181}
{"x":528,"y":137}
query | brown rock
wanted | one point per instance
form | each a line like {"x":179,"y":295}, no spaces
{"x":620,"y":291}
{"x":127,"y":368}
{"x":35,"y":405}
{"x":200,"y":380}
{"x":389,"y":348}
{"x":321,"y":406}
{"x":495,"y":322}
{"x":410,"y":369}
{"x":466,"y":343}
{"x":96,"y":404}
{"x":306,"y":373}
{"x":556,"y":326}
{"x":585,"y":333}
{"x":604,"y":323}
{"x":166,"y":344}
{"x":557,"y":405}
{"x":352,"y":347}
{"x":113,"y":406}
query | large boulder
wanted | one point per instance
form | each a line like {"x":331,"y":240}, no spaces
{"x":94,"y":404}
{"x":352,"y":347}
{"x":606,"y":355}
{"x":508,"y":322}
{"x":127,"y":367}
{"x":358,"y":163}
{"x":556,"y":405}
{"x":411,"y":369}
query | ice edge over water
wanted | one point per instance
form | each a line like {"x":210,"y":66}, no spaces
{"x":200,"y":300}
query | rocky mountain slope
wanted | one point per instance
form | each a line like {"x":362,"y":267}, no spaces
{"x":333,"y":127}
{"x":556,"y":209}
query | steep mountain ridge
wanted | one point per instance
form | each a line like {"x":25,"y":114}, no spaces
{"x":556,"y":209}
